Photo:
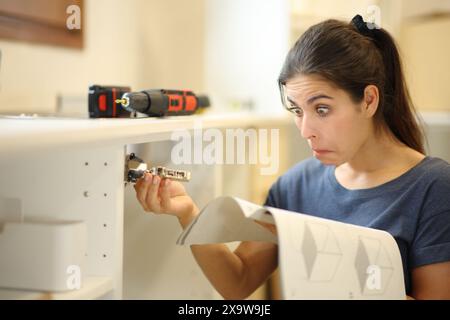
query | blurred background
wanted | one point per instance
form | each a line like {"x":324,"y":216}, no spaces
{"x":231,"y":50}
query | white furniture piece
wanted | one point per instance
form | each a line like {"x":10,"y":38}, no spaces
{"x":73,"y":170}
{"x":42,"y":255}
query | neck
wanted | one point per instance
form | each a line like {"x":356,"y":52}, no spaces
{"x":380,"y":152}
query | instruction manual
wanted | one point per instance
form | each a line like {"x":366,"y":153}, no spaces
{"x":318,"y":258}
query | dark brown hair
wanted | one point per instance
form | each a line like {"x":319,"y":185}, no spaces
{"x":337,"y":52}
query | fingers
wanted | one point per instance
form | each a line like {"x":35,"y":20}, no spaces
{"x":141,"y":188}
{"x":153,"y":193}
{"x":165,"y":195}
{"x":152,"y":200}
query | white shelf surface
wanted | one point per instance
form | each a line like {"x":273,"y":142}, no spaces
{"x":93,"y":288}
{"x":27,"y":133}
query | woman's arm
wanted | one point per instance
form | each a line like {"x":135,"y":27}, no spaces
{"x":431,"y":281}
{"x":235,"y":275}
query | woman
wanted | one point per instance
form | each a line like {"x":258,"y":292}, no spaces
{"x":345,"y":85}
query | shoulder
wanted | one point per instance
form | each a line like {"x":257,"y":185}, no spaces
{"x":431,"y":243}
{"x":435,"y":168}
{"x":434,"y":174}
{"x":436,"y":165}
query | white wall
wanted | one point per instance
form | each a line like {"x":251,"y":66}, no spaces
{"x":246,"y":43}
{"x":136,"y":42}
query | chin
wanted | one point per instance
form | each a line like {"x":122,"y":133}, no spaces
{"x":329,"y":161}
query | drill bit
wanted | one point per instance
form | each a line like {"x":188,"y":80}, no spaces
{"x":124,"y":101}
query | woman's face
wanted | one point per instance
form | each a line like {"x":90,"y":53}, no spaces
{"x":336,"y":128}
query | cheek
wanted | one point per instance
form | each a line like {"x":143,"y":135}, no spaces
{"x":347,"y":132}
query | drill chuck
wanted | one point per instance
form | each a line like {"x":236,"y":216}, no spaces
{"x":144,"y":102}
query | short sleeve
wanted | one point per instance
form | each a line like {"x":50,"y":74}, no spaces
{"x":431,"y":243}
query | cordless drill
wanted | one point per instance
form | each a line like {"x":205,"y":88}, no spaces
{"x":162,"y":102}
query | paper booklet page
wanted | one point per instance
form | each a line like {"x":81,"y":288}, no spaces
{"x":318,"y":258}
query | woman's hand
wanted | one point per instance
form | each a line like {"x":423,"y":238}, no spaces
{"x":164,"y":196}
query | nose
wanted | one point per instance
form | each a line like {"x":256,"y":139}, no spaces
{"x":305,"y":127}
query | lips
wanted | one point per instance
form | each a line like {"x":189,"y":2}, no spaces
{"x":319,"y":152}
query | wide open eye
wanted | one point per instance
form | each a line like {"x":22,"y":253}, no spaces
{"x":297,"y":111}
{"x":322,"y":111}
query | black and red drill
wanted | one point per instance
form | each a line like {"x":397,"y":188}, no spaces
{"x":162,"y":102}
{"x":120,"y":102}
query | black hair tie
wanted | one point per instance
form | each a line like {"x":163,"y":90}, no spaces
{"x":363,"y":27}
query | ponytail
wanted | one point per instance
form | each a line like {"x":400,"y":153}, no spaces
{"x":403,"y":123}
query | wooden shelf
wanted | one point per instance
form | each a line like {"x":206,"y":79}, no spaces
{"x":93,"y":288}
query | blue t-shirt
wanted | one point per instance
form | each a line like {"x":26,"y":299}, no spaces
{"x":414,"y":208}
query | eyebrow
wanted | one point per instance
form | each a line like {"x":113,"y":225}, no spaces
{"x":311,"y":100}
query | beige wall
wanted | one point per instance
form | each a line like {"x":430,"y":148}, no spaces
{"x":425,"y":44}
{"x":171,"y":44}
{"x":141,"y":43}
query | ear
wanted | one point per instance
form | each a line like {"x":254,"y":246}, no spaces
{"x":371,"y":100}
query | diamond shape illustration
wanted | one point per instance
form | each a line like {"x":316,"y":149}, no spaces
{"x":321,"y":252}
{"x":373,"y":266}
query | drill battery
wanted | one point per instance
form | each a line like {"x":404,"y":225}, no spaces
{"x":102,"y":102}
